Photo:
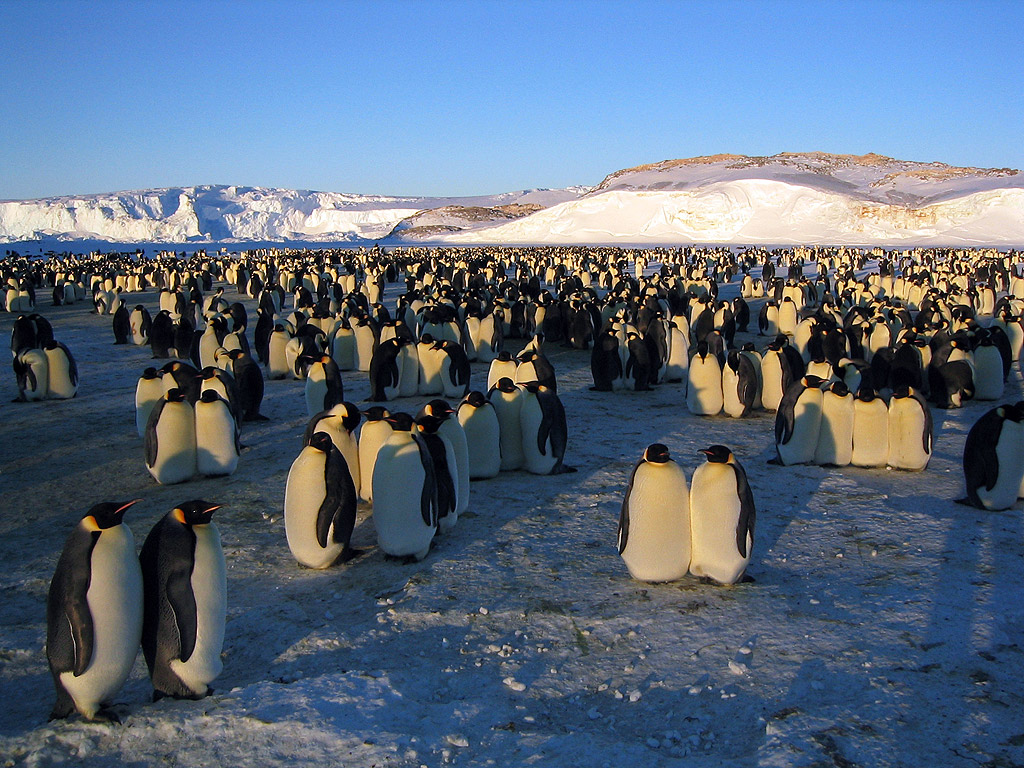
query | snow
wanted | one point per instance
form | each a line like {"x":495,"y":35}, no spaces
{"x":883,"y":627}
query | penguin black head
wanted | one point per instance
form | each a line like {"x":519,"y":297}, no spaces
{"x":150,"y":374}
{"x":107,"y":514}
{"x":439,"y":408}
{"x":429,"y":424}
{"x":866,"y":393}
{"x":656,"y":453}
{"x":195,"y":512}
{"x":400,"y":422}
{"x":209,"y":396}
{"x":717,"y":454}
{"x":505,"y":384}
{"x":376,"y":413}
{"x":475,"y":398}
{"x":748,"y":347}
{"x":350,"y":416}
{"x":321,"y":441}
{"x":812,"y":381}
{"x":839,"y":388}
{"x":427,"y":338}
{"x":174,"y":395}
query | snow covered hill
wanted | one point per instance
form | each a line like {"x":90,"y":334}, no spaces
{"x":811,"y":197}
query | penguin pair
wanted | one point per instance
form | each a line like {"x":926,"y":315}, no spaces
{"x":103,"y":601}
{"x":533,"y":431}
{"x":667,"y":530}
{"x":181,"y":440}
{"x":48,"y":372}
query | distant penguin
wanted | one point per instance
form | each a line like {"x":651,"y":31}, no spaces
{"x":739,"y":385}
{"x":798,"y":421}
{"x":185,"y":585}
{"x":386,"y":369}
{"x":323,"y":388}
{"x":277,"y":357}
{"x":149,"y":390}
{"x":62,"y":370}
{"x":992,"y":460}
{"x":217,"y":446}
{"x":161,"y":335}
{"x":835,"y":433}
{"x":319,"y":505}
{"x":139,"y":322}
{"x":654,"y":523}
{"x":988,"y":369}
{"x":483,"y":435}
{"x":32,"y":371}
{"x":870,"y":430}
{"x":249,"y":381}
{"x":722,"y":517}
{"x":544,"y":430}
{"x":704,"y":395}
{"x":605,"y":363}
{"x":170,"y":439}
{"x":372,"y":434}
{"x":340,"y":423}
{"x":910,"y":430}
{"x":442,"y":455}
{"x":639,"y":369}
{"x":503,"y":366}
{"x":776,"y":376}
{"x":455,"y":370}
{"x":94,"y":613}
{"x":507,"y":400}
{"x":122,"y":325}
{"x":451,"y":429}
{"x":404,"y":492}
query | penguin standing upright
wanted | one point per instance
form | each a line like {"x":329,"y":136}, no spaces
{"x":739,"y":385}
{"x":319,"y":505}
{"x":835,"y":432}
{"x":544,"y":430}
{"x":149,"y":390}
{"x":62,"y":382}
{"x":340,"y":423}
{"x":386,"y":369}
{"x":704,"y":395}
{"x":324,"y":388}
{"x":185,"y":586}
{"x":722,"y":517}
{"x":94,"y":613}
{"x":405,"y":504}
{"x":477,"y":416}
{"x":442,"y":455}
{"x":507,"y":400}
{"x":992,"y":459}
{"x":451,"y":429}
{"x":170,"y":439}
{"x":910,"y":430}
{"x":654,"y":523}
{"x":503,"y":366}
{"x":798,"y":421}
{"x":217,"y":446}
{"x":870,"y":430}
{"x":372,"y":434}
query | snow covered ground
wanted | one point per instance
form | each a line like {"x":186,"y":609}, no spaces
{"x":884,"y":627}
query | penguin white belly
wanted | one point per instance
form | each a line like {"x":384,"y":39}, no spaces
{"x":363,"y":347}
{"x":176,"y":444}
{"x":59,"y":385}
{"x":988,"y":374}
{"x":398,"y":481}
{"x":343,"y":349}
{"x":500,"y":369}
{"x":534,"y":460}
{"x":371,"y":438}
{"x":315,"y":390}
{"x":714,"y":516}
{"x":209,"y":586}
{"x":448,"y":522}
{"x":771,"y":381}
{"x":803,"y":442}
{"x":208,"y":345}
{"x":485,"y":351}
{"x":906,"y":430}
{"x":346,"y":443}
{"x":292,"y":352}
{"x":303,"y":494}
{"x":452,"y":431}
{"x":704,"y":395}
{"x":508,"y":408}
{"x":1005,"y":492}
{"x":870,"y":433}
{"x":835,"y":433}
{"x":678,"y":365}
{"x":430,"y":361}
{"x":483,"y":441}
{"x":115,"y":603}
{"x":277,"y":362}
{"x":408,"y":371}
{"x":658,"y":540}
{"x":216,"y":452}
{"x":731,"y":404}
{"x":525,"y":373}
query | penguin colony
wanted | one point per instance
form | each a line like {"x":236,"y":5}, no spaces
{"x":941,"y":326}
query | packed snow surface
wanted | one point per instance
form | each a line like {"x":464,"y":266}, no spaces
{"x":883,"y":629}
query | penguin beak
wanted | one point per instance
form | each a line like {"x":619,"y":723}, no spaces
{"x":125,"y":506}
{"x":215,"y":507}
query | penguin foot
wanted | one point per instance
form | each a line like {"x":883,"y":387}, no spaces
{"x":563,"y":469}
{"x":746,"y":578}
{"x":349,"y":553}
{"x":967,"y":503}
{"x":256,"y":417}
{"x":775,"y":462}
{"x":106,"y":715}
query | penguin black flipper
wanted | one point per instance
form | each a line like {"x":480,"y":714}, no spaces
{"x":929,"y":427}
{"x":330,"y":507}
{"x":69,"y":642}
{"x":428,"y":498}
{"x":72,"y":365}
{"x":149,"y":438}
{"x":748,"y":514}
{"x":558,"y":432}
{"x":624,"y":514}
{"x":180,"y":596}
{"x":784,"y":416}
{"x":311,"y":427}
{"x":446,"y":493}
{"x":344,"y":521}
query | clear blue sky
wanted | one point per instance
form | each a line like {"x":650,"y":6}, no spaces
{"x":480,"y":97}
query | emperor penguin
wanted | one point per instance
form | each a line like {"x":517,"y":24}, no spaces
{"x":217,"y":446}
{"x":94,"y":613}
{"x":739,"y":385}
{"x":170,"y":439}
{"x":386,"y":369}
{"x":320,"y":505}
{"x":502,"y":366}
{"x":431,"y":357}
{"x":835,"y":432}
{"x":507,"y":400}
{"x":870,"y":429}
{"x":405,"y":507}
{"x":654,"y":523}
{"x":704,"y":395}
{"x":32,"y":371}
{"x":992,"y":460}
{"x":149,"y":390}
{"x":776,"y":376}
{"x":324,"y":388}
{"x":798,"y":421}
{"x":910,"y":430}
{"x":184,"y":581}
{"x":277,"y":357}
{"x":477,"y":416}
{"x":722,"y":517}
{"x":442,"y":455}
{"x":372,"y":434}
{"x":62,"y":370}
{"x":340,"y":423}
{"x":544,"y":429}
{"x":451,"y":429}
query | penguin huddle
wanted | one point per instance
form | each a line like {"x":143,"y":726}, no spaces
{"x":44,"y":368}
{"x":104,"y":601}
{"x":667,"y":529}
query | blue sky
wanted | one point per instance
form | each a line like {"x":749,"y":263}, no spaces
{"x":459,"y":98}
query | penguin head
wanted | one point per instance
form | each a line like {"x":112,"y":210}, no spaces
{"x":151,"y":373}
{"x":400,"y":422}
{"x":866,"y":393}
{"x":438,"y":408}
{"x":656,"y":453}
{"x":195,"y":512}
{"x":376,"y":413}
{"x":321,"y":441}
{"x":812,"y":382}
{"x":428,"y":424}
{"x":839,"y":389}
{"x":717,"y":454}
{"x":174,"y":395}
{"x":475,"y":398}
{"x":106,"y":514}
{"x":506,"y":385}
{"x":349,"y":413}
{"x":209,"y":396}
